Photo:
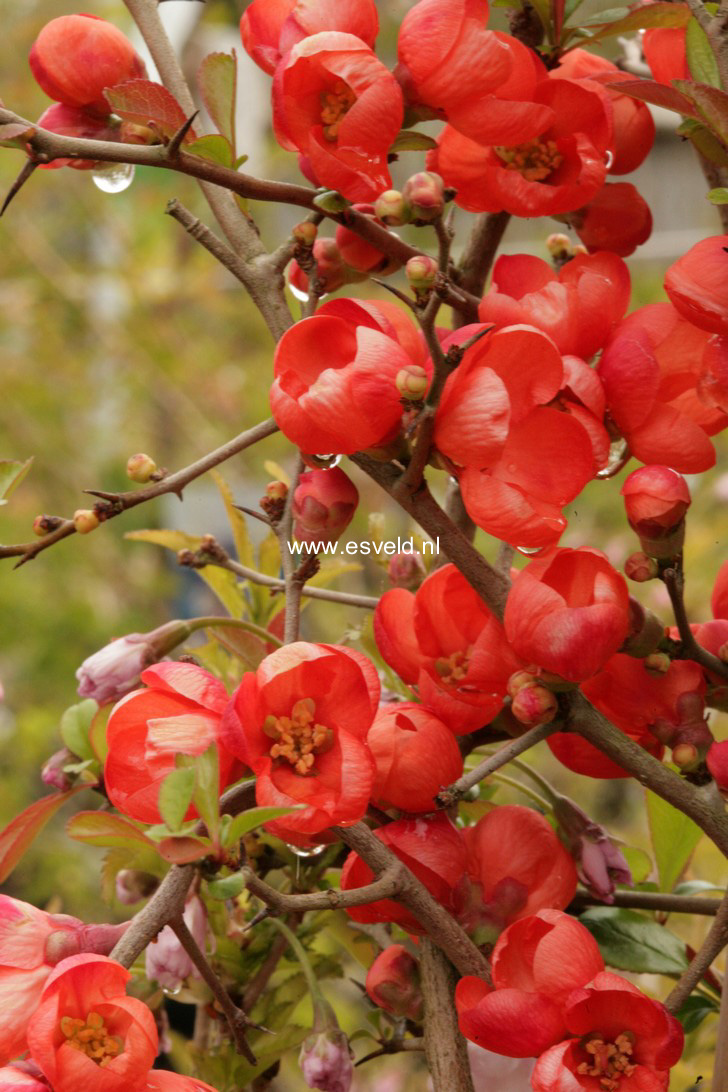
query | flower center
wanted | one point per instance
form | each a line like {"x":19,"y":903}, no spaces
{"x":609,"y":1062}
{"x":92,"y":1038}
{"x":536,"y":159}
{"x":452,"y":669}
{"x":298,"y":738}
{"x":335,"y":105}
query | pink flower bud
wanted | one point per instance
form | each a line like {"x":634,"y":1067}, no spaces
{"x":276,"y":490}
{"x":392,"y":208}
{"x":166,"y":960}
{"x":421,"y":272}
{"x":305,"y":233}
{"x":325,"y":1061}
{"x":534,"y":705}
{"x":518,"y":680}
{"x":685,"y":755}
{"x":412,"y":382}
{"x":140,"y":468}
{"x":656,"y":499}
{"x":53,"y":773}
{"x":425,"y":192}
{"x":640,"y":568}
{"x":393,"y":982}
{"x":406,"y":570}
{"x":323,"y":505}
{"x":599,"y":863}
{"x":114,"y":670}
{"x":85,"y":520}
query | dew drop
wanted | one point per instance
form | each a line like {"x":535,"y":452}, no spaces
{"x":330,"y":460}
{"x":113,"y":177}
{"x":530,"y":551}
{"x":609,"y":158}
{"x":173,"y":992}
{"x":301,"y":296}
{"x":306,"y":854}
{"x":617,"y":451}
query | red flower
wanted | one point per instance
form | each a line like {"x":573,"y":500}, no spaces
{"x":335,"y":102}
{"x":618,"y":219}
{"x":300,"y":722}
{"x":656,"y":499}
{"x":22,"y":1077}
{"x":269,"y":28}
{"x":360,"y":255}
{"x":517,"y":866}
{"x":634,"y":129}
{"x":560,"y":167}
{"x":179,"y":712}
{"x":445,"y":640}
{"x":393,"y":982}
{"x":719,"y":598}
{"x":666,"y":54}
{"x":568,"y":612}
{"x":635,"y":701}
{"x":324,"y":503}
{"x":623,"y":1041}
{"x":344,"y":399}
{"x":75,"y":57}
{"x":665,"y":387}
{"x":577,"y":308}
{"x":86,"y":1033}
{"x":432,"y":848}
{"x":697,"y":284}
{"x":161,"y":1080}
{"x":402,"y":739}
{"x":74,"y":121}
{"x":717,"y":762}
{"x":536,"y":964}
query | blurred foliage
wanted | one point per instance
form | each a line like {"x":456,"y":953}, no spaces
{"x":119,"y":334}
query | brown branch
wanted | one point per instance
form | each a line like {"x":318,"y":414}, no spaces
{"x":675,"y":583}
{"x":294,"y":578}
{"x":366,"y":602}
{"x":485,"y":238}
{"x":386,"y":887}
{"x":445,"y":1047}
{"x":121,"y":502}
{"x":236,"y":1018}
{"x":393,"y":1046}
{"x":440,"y":926}
{"x":516,"y":747}
{"x":166,"y":903}
{"x":651,"y":900}
{"x":260,"y":979}
{"x":712,"y":946}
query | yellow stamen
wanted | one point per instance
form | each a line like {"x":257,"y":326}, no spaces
{"x":535,"y":160}
{"x":452,"y":669}
{"x":335,"y":105}
{"x":92,"y":1038}
{"x":608,"y":1061}
{"x":298,"y":738}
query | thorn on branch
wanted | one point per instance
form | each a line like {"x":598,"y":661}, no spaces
{"x":175,"y":142}
{"x":28,"y":167}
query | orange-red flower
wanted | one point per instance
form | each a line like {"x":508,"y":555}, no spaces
{"x":179,"y":712}
{"x":697,"y":284}
{"x":666,"y":383}
{"x":300,"y":722}
{"x":403,"y":739}
{"x":324,"y":503}
{"x":567,"y":612}
{"x":393,"y":982}
{"x":577,"y":308}
{"x":335,"y":102}
{"x":617,"y":219}
{"x":666,"y":54}
{"x":270,"y":28}
{"x":86,"y":1032}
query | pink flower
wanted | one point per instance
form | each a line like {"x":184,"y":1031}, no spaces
{"x":166,"y":960}
{"x":116,"y":668}
{"x":325,"y":1061}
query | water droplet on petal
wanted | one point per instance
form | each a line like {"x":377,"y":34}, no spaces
{"x":113,"y":177}
{"x":530,"y":551}
{"x":617,"y":451}
{"x":330,"y":460}
{"x":609,"y":158}
{"x":305,"y":854}
{"x":298,"y":293}
{"x":173,"y":992}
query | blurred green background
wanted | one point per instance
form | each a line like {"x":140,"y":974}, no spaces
{"x":119,"y":334}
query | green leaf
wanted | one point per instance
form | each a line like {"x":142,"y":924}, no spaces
{"x":719,"y":196}
{"x":254,"y":817}
{"x":214,"y":147}
{"x":712,"y":104}
{"x":661,"y":14}
{"x":604,"y":18}
{"x":696,"y":887}
{"x":184,"y":850}
{"x":103,"y":828}
{"x":223,"y":583}
{"x":694,"y":1011}
{"x":640,"y":864}
{"x":701,"y":59}
{"x":97,"y":733}
{"x":238,"y":526}
{"x":227,"y":888}
{"x":12,"y":472}
{"x":207,"y":786}
{"x":21,"y":831}
{"x":674,"y":837}
{"x":75,"y":727}
{"x":409,"y":140}
{"x":269,"y":555}
{"x":143,"y":101}
{"x":175,"y":796}
{"x":704,"y":140}
{"x":632,"y":942}
{"x":659,"y":94}
{"x":217,"y":81}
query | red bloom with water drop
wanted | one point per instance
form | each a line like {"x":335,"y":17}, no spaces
{"x":666,"y":383}
{"x":568,"y":612}
{"x":179,"y":712}
{"x":577,"y":308}
{"x":697,"y":284}
{"x":270,"y":28}
{"x":334,"y":389}
{"x":336,"y":103}
{"x":300,"y":722}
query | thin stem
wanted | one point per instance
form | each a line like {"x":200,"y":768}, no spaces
{"x":260,"y":979}
{"x":503,"y":779}
{"x":652,"y":900}
{"x":454,"y":792}
{"x":236,"y":1018}
{"x":366,"y":602}
{"x":713,"y":945}
{"x":235,"y":623}
{"x":538,"y":779}
{"x":301,"y":956}
{"x":166,"y":903}
{"x":675,"y":583}
{"x":393,"y":1046}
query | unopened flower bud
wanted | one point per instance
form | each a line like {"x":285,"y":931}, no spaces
{"x":133,"y":885}
{"x":406,"y":570}
{"x":559,"y":246}
{"x":325,"y":1061}
{"x":599,"y":862}
{"x":421,"y":272}
{"x":425,"y":192}
{"x":166,"y":960}
{"x":305,"y":233}
{"x":324,"y":503}
{"x":393,"y":982}
{"x":140,"y":468}
{"x":331,"y":201}
{"x":639,"y":567}
{"x":114,"y":670}
{"x":53,"y":772}
{"x":276,"y":490}
{"x":411,"y":382}
{"x":85,"y":520}
{"x":645,"y":630}
{"x":534,"y":705}
{"x":43,"y":525}
{"x":685,"y":755}
{"x":392,"y":208}
{"x":656,"y":499}
{"x":518,"y":680}
{"x":657,"y":663}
